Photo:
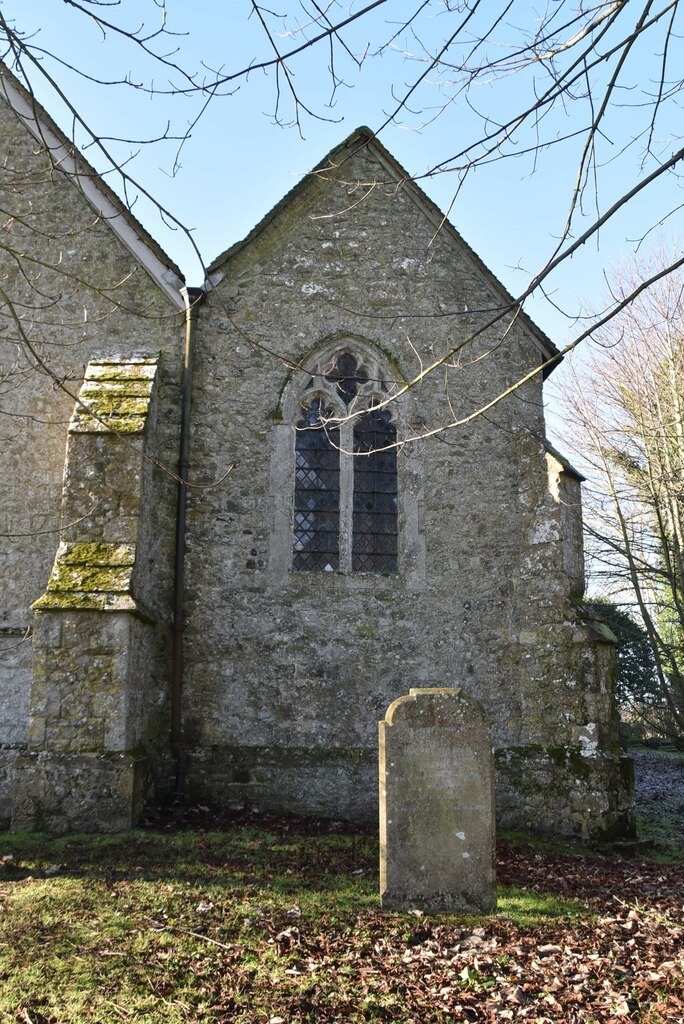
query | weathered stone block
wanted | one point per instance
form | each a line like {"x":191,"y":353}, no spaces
{"x":7,"y":761}
{"x":562,"y":790}
{"x":62,"y":793}
{"x":300,"y":782}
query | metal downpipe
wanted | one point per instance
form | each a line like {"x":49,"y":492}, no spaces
{"x":193,"y":299}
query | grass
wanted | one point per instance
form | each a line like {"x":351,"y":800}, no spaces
{"x":195,"y":926}
{"x":658,"y":830}
{"x":531,"y":909}
{"x":660,"y":812}
{"x":276,"y":923}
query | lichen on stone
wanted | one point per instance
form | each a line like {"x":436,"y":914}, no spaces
{"x":115,"y":396}
{"x":92,"y":576}
{"x":126,"y":368}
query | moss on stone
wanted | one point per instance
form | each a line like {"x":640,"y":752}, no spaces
{"x":107,"y":404}
{"x":91,"y":576}
{"x":60,"y":600}
{"x":571,"y":760}
{"x":122,"y":370}
{"x":97,"y":553}
{"x":129,"y":425}
{"x":100,"y":578}
{"x":123,"y":387}
{"x":114,"y":396}
{"x":566,"y":764}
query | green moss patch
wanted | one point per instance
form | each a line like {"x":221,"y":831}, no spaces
{"x":90,"y":576}
{"x":115,"y":396}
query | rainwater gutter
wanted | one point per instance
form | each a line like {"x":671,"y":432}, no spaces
{"x":193,"y":299}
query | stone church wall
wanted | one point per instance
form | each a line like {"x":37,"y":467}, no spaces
{"x":76,"y":292}
{"x":289,"y":672}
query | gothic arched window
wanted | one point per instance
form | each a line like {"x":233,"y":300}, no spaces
{"x":345,"y":491}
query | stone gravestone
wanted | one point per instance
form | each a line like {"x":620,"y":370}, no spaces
{"x":437,"y":832}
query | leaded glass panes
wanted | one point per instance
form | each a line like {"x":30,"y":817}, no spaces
{"x":317,"y":493}
{"x":374,"y":517}
{"x":345,"y":494}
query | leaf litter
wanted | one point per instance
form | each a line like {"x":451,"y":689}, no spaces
{"x":275,"y":921}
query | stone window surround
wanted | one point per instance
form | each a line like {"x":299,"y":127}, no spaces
{"x":317,"y":363}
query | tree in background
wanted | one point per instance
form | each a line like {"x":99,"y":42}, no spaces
{"x":637,"y":691}
{"x":629,"y":414}
{"x":637,"y":680}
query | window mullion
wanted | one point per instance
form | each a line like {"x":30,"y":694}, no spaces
{"x":346,"y":495}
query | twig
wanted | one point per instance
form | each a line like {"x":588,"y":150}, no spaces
{"x":158,"y":926}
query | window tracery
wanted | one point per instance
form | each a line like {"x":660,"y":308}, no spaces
{"x":345,"y":489}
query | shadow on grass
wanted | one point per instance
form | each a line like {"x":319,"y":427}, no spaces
{"x":284,"y":859}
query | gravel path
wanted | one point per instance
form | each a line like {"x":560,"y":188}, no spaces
{"x":659,"y":779}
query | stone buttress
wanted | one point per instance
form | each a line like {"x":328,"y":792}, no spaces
{"x":85,"y":767}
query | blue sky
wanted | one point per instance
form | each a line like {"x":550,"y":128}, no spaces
{"x":238,"y":163}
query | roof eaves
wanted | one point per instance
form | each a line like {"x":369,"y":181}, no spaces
{"x":567,"y":466}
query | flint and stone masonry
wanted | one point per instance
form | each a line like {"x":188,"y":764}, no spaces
{"x":437,"y":834}
{"x":321,"y":577}
{"x":289,"y":669}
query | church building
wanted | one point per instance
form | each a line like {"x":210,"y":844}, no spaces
{"x":238,"y":521}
